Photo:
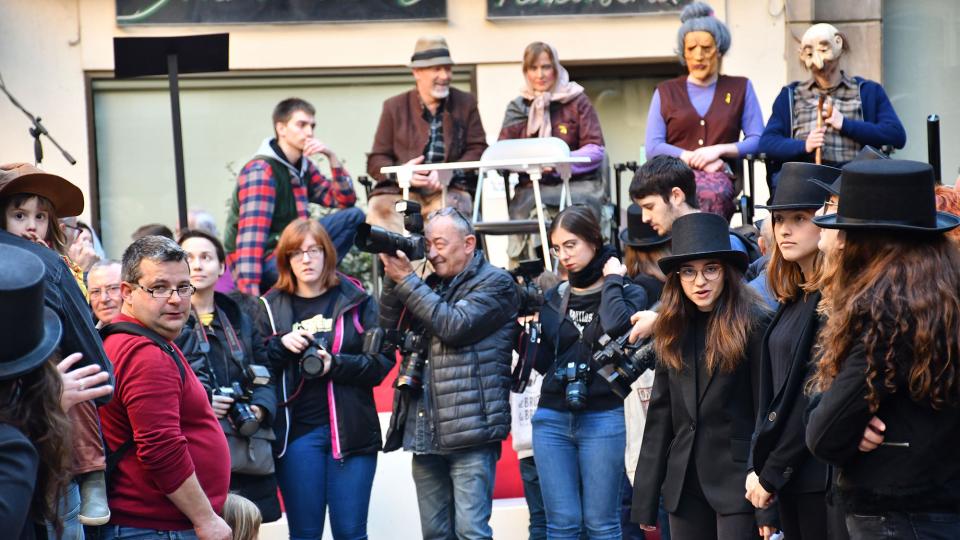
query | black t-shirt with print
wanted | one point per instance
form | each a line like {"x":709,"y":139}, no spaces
{"x":310,"y":409}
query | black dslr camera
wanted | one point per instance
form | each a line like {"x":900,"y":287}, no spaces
{"x":240,"y":413}
{"x":311,"y":362}
{"x":373,"y":239}
{"x":412,"y":346}
{"x":529,"y":291}
{"x":620,"y":364}
{"x":574,"y":375}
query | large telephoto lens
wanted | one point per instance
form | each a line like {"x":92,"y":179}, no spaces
{"x":373,"y":239}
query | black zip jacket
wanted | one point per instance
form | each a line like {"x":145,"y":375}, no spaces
{"x":619,"y":299}
{"x":354,"y":424}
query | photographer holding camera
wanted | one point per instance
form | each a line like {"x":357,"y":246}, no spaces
{"x":578,"y":429}
{"x":456,"y":417}
{"x":328,"y":432}
{"x":222,"y":345}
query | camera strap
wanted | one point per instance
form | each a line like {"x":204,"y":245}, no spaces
{"x":233,"y":342}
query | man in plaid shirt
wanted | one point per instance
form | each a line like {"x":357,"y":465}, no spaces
{"x":856,"y":111}
{"x":275,"y":187}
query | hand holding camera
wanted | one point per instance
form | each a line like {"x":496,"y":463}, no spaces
{"x":296,"y":341}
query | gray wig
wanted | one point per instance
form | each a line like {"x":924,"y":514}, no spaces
{"x":699,"y":17}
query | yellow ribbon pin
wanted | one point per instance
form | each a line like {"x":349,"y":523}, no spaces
{"x":562,"y":128}
{"x":726,"y":98}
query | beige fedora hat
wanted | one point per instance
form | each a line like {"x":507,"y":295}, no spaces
{"x":430,"y":51}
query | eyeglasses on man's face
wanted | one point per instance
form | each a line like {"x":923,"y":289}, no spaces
{"x":113,"y":291}
{"x":183,"y":291}
{"x":711,"y":272}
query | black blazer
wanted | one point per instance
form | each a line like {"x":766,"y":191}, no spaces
{"x":778,"y":452}
{"x":720,"y":438}
{"x":921,"y":477}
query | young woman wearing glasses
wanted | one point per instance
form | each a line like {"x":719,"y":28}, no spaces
{"x":328,"y":432}
{"x":578,"y":429}
{"x":701,"y":415}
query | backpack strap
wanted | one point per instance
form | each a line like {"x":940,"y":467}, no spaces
{"x":273,"y":324}
{"x":114,"y":457}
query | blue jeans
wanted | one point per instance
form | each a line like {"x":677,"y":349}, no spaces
{"x":117,"y":532}
{"x":455,"y":493}
{"x":342,"y":228}
{"x":531,"y":492}
{"x":905,"y":526}
{"x":580,"y":463}
{"x":311,"y":480}
{"x":69,"y":514}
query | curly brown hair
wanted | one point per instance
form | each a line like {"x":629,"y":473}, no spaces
{"x":898,"y":295}
{"x":732,"y":319}
{"x":33,"y":406}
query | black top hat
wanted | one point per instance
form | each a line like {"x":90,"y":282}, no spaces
{"x":639,"y":234}
{"x":31,"y":331}
{"x":702,"y":236}
{"x":866,"y":154}
{"x":896,"y":195}
{"x":793,"y":190}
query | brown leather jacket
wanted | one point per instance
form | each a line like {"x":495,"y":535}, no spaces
{"x":402,"y":133}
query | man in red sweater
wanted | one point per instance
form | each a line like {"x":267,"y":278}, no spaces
{"x":176,"y":475}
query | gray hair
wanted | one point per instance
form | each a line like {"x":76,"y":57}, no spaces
{"x":103,"y":263}
{"x":699,"y":17}
{"x":460,"y":222}
{"x":158,"y":249}
{"x":198,"y":218}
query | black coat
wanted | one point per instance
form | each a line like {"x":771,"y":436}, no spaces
{"x":471,"y":326}
{"x":262,"y":490}
{"x":351,"y":379}
{"x":923,"y":477}
{"x":619,"y":299}
{"x":710,"y":432}
{"x":19,"y":462}
{"x":778,"y":453}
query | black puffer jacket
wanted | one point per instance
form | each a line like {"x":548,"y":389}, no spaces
{"x":355,"y":426}
{"x":471,"y":327}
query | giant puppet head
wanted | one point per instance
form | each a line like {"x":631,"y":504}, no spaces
{"x":821,"y":47}
{"x":702,"y":40}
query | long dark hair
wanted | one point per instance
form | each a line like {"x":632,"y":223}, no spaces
{"x":731,"y":321}
{"x":899,"y":296}
{"x":32,"y":405}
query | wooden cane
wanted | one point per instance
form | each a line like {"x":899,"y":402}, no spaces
{"x":817,"y":156}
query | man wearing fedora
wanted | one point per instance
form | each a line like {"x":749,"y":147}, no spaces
{"x":173,"y":464}
{"x":432,"y":123}
{"x":276,"y":187}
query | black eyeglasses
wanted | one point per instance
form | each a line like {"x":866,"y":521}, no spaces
{"x":183,"y":291}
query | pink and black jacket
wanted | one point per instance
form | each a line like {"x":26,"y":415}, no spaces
{"x":354,"y":425}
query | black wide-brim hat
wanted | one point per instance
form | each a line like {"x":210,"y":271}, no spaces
{"x":867,"y":153}
{"x":31,"y":331}
{"x":639,"y":234}
{"x":892,"y":195}
{"x":702,"y":236}
{"x":795,"y":191}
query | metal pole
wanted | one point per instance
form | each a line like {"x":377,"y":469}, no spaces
{"x":172,"y":77}
{"x":933,"y":145}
